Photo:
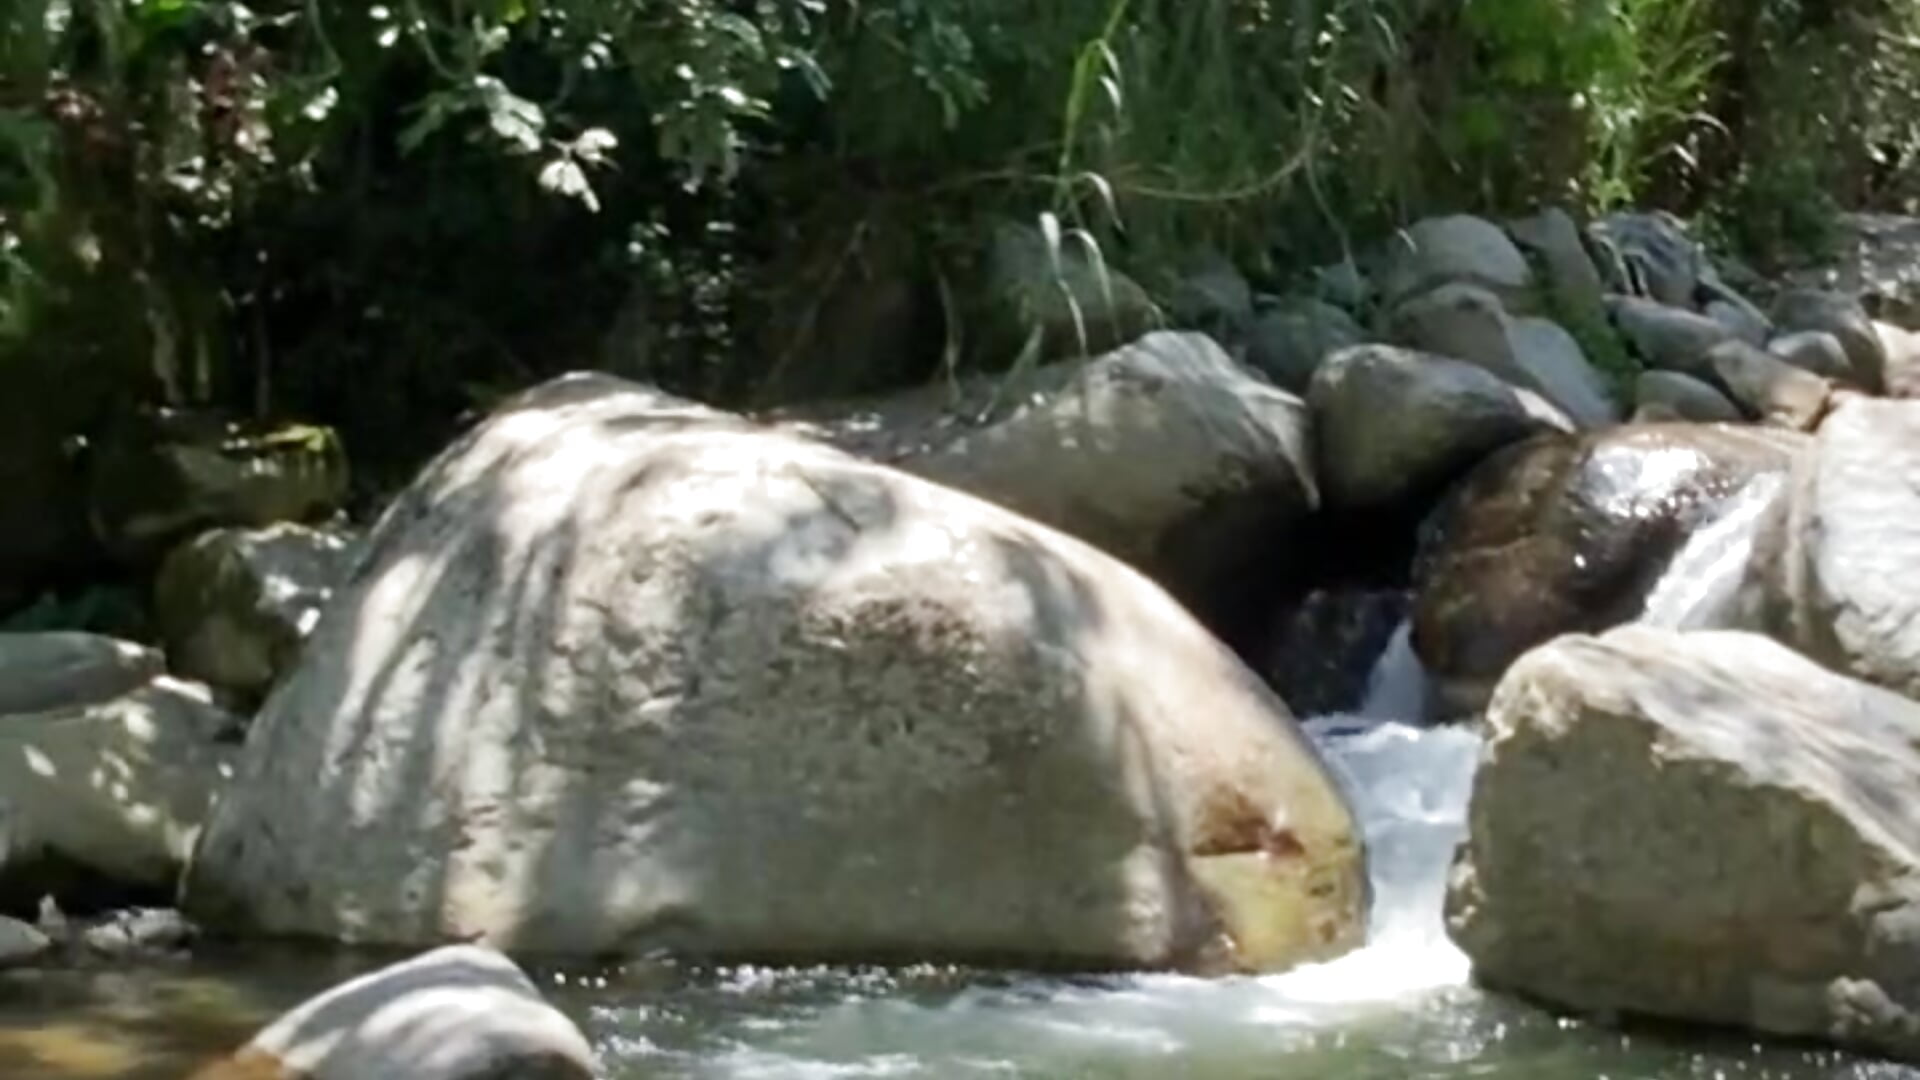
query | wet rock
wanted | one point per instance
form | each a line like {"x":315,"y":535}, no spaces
{"x":1462,"y":250}
{"x":1467,"y":323}
{"x":688,"y":682}
{"x":1288,"y":342}
{"x":1698,"y":826}
{"x":1844,"y":318}
{"x":1683,"y":397}
{"x":1816,"y":351}
{"x":457,"y":1013}
{"x":234,"y":605}
{"x":1165,"y":454}
{"x":1769,"y":388}
{"x":21,"y":943}
{"x":60,"y":669}
{"x":1323,"y":648}
{"x":1391,"y":424}
{"x":1565,"y":534}
{"x":175,"y":475}
{"x":118,"y":787}
{"x":1835,"y":561}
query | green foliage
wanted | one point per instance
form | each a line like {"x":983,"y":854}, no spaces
{"x":380,"y":212}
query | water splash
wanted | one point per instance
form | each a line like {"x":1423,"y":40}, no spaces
{"x":1397,"y":687}
{"x":1701,"y":586}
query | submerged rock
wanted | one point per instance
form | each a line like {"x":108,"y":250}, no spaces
{"x":1165,"y":454}
{"x":457,"y":1013}
{"x":619,"y":671}
{"x":1322,"y":649}
{"x":1703,"y":827}
{"x":1390,"y":424}
{"x":1835,"y":570}
{"x":234,"y":605}
{"x":1564,"y":534}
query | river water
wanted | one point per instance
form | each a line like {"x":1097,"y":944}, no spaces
{"x":1402,"y":1007}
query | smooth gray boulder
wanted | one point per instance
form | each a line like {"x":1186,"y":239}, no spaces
{"x":1650,"y":255}
{"x":1769,"y":388}
{"x":1668,"y":337}
{"x":1468,"y":323}
{"x":621,"y":672}
{"x":1553,"y":239}
{"x":1391,"y":424}
{"x":1165,"y":454}
{"x":21,"y":943}
{"x":1836,"y":561}
{"x":456,"y":1013}
{"x":1288,"y":342}
{"x":1457,"y":249}
{"x":1816,"y":351}
{"x":1842,"y":316}
{"x":1698,"y":826}
{"x":1684,"y":397}
{"x":1747,"y":324}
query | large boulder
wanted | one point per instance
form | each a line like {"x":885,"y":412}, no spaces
{"x":1212,"y":297}
{"x":1836,"y":559}
{"x":456,"y":1013}
{"x":1843,"y":317}
{"x":1392,"y":424}
{"x":1562,"y":534}
{"x":1458,"y":249}
{"x":1288,"y":342}
{"x":1164,"y":453}
{"x":619,"y":672}
{"x":1698,"y":826}
{"x":166,"y":477}
{"x":107,"y":794}
{"x":1468,"y":323}
{"x":233,"y":605}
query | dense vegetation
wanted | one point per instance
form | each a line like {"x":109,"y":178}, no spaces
{"x":380,"y":214}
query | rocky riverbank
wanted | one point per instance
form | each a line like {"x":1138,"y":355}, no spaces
{"x":1006,"y":671}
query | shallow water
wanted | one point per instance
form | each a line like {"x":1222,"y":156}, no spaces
{"x":1399,"y":1008}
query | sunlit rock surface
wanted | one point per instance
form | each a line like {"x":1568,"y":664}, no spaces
{"x":618,"y":671}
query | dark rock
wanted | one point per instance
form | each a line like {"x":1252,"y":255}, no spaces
{"x":1565,"y":534}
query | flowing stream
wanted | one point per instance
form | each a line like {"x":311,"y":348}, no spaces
{"x":1400,"y":1007}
